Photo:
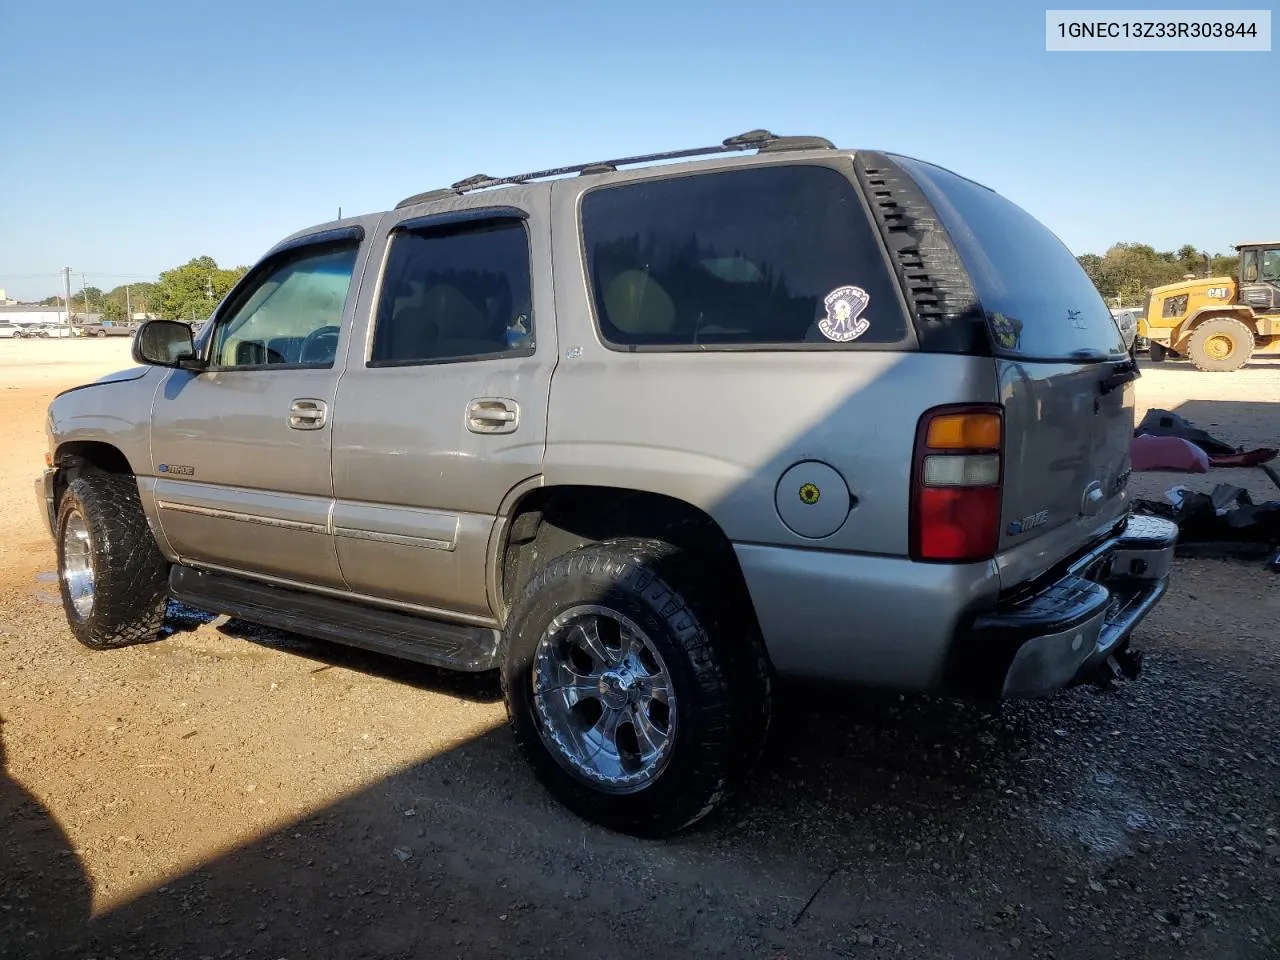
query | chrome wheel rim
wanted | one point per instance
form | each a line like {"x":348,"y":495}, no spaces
{"x":604,"y":699}
{"x":77,"y":564}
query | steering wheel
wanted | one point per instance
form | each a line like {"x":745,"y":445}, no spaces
{"x":326,"y":335}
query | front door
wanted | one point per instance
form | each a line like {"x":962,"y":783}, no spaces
{"x":241,"y":451}
{"x":442,"y":409}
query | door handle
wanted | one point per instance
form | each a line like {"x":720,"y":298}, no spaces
{"x":493,"y":415}
{"x":308,"y":414}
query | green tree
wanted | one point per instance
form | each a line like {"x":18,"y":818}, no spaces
{"x":191,"y":291}
{"x":88,"y":300}
{"x":1092,"y":264}
{"x":1226,"y":265}
{"x":1128,"y":271}
{"x":113,"y":309}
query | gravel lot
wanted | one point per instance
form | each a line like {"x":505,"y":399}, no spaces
{"x":235,"y":792}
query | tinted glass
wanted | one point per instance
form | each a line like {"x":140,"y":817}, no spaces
{"x":455,"y":294}
{"x":1039,"y":302}
{"x":1271,"y":265}
{"x":768,"y":256}
{"x":292,"y":314}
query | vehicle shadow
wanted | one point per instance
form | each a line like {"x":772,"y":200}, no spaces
{"x":1240,"y":422}
{"x":488,"y":865}
{"x":45,"y":894}
{"x":473,"y":687}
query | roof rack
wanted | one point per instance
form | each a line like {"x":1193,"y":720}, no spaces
{"x":761,"y":141}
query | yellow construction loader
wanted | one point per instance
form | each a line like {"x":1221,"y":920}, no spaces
{"x":1220,"y":322}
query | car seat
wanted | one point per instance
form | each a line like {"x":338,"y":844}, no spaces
{"x":636,"y":304}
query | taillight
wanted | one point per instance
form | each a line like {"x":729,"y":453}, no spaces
{"x":955,"y":484}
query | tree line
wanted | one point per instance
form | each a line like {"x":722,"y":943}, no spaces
{"x":1127,"y":272}
{"x":189,"y":292}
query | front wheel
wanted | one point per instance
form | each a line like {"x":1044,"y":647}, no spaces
{"x":112,"y":576}
{"x":101,"y":334}
{"x":1158,"y":352}
{"x":638,"y":693}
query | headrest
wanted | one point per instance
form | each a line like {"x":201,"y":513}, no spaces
{"x":635,"y":303}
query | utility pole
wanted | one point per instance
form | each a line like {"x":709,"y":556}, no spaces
{"x":66,"y":277}
{"x":128,"y":307}
{"x":84,"y":292}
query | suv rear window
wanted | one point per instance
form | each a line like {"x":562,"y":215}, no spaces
{"x":765,"y":257}
{"x":1039,"y":302}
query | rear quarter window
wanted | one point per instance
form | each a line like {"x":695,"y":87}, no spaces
{"x":1038,"y":301}
{"x":766,"y":258}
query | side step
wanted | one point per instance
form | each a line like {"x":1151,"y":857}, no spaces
{"x":449,"y":645}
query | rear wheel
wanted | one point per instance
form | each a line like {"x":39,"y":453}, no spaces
{"x":637,"y":691}
{"x":113,"y":578}
{"x":101,"y":333}
{"x":1158,"y":352}
{"x":1220,"y":345}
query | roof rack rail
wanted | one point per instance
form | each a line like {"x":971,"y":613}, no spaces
{"x":761,"y":141}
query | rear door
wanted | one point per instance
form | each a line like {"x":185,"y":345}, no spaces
{"x":1065,"y":378}
{"x":442,"y":410}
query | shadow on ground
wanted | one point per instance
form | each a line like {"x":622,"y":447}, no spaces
{"x":474,"y":687}
{"x":875,"y":826}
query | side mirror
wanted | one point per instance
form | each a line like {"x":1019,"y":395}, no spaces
{"x":166,"y":343}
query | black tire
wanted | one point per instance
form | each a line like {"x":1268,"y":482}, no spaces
{"x":1220,"y":345}
{"x":711,"y":648}
{"x":130,"y":576}
{"x":1158,"y":352}
{"x":100,"y":333}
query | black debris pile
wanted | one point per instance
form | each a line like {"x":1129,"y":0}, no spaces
{"x":1224,"y":523}
{"x":1166,"y":423}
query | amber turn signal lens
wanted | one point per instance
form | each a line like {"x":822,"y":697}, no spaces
{"x":964,"y":431}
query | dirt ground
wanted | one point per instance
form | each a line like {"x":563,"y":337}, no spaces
{"x":234,"y":792}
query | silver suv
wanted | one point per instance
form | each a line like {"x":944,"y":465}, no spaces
{"x":641,"y":440}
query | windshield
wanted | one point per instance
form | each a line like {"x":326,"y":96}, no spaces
{"x":1038,"y":301}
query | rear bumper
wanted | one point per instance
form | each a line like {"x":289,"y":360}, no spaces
{"x":889,"y":623}
{"x":1071,"y":630}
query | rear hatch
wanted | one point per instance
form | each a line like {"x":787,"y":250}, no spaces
{"x":1064,"y":375}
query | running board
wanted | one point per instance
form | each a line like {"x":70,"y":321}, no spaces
{"x":449,"y":645}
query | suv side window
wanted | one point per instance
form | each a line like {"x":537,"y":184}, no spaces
{"x":291,"y":314}
{"x":455,"y":293}
{"x":768,"y":257}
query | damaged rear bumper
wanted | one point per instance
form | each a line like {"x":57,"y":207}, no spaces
{"x":1073,"y":630}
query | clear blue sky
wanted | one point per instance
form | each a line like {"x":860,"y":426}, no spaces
{"x":135,"y":135}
